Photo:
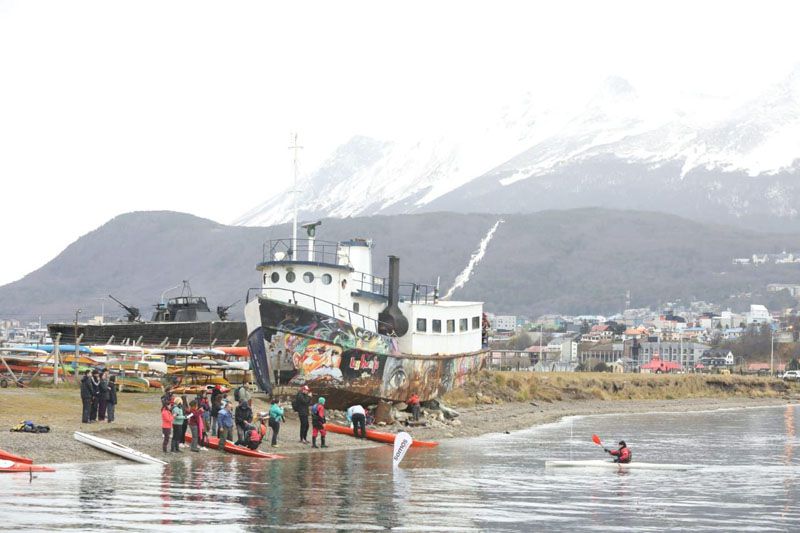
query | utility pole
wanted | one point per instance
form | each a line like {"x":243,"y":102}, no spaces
{"x":771,"y":351}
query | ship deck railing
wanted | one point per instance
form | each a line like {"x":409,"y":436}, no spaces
{"x":325,"y":307}
{"x":328,"y":252}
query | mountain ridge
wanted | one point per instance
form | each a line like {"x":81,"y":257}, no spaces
{"x":566,"y":261}
{"x":742,"y":160}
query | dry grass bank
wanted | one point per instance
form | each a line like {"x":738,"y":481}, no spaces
{"x":488,"y":387}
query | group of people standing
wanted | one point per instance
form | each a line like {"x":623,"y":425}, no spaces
{"x":303,"y":404}
{"x":216,"y":416}
{"x":98,"y":396}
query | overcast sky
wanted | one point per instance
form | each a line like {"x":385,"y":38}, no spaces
{"x":109,"y":107}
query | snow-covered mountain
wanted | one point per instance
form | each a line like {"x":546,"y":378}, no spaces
{"x":698,"y":156}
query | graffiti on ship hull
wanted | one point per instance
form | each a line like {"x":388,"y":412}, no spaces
{"x":322,"y":351}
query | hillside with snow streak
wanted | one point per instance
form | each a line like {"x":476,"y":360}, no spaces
{"x":476,"y":257}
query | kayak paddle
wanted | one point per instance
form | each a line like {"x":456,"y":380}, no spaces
{"x":596,"y":440}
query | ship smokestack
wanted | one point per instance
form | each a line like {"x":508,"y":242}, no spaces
{"x":392,"y":316}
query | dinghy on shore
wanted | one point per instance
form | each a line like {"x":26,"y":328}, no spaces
{"x":11,"y":466}
{"x":609,"y":464}
{"x":116,"y":448}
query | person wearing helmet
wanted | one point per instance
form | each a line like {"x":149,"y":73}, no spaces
{"x":622,"y":455}
{"x":318,"y":423}
{"x":301,"y":404}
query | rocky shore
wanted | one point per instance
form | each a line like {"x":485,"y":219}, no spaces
{"x":138,"y":418}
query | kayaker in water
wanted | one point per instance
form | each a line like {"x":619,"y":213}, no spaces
{"x":622,"y":455}
{"x":318,"y":423}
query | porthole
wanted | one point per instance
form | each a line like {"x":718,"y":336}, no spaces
{"x":326,"y":279}
{"x":290,"y":276}
{"x":275,"y":277}
{"x":308,"y":277}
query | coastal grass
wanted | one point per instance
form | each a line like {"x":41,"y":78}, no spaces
{"x":488,"y":387}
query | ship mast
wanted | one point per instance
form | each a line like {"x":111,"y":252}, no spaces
{"x":295,"y":147}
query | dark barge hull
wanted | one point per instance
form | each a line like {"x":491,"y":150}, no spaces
{"x":221,"y":333}
{"x":345,"y":363}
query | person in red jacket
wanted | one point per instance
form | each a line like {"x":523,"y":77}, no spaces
{"x":413,"y":402}
{"x":622,"y":455}
{"x":166,"y":424}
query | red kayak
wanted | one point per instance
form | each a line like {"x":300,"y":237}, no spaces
{"x":238,"y":351}
{"x":379,"y":436}
{"x":213,"y":442}
{"x":11,"y":466}
{"x":7,"y":456}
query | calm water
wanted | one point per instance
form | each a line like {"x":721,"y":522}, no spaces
{"x":750,"y":481}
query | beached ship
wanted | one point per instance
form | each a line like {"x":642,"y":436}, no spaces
{"x":321,"y":318}
{"x":179,"y":320}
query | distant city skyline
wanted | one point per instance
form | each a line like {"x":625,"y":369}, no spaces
{"x":110,"y":107}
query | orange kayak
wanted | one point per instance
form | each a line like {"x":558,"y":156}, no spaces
{"x":8,"y":456}
{"x":379,"y":436}
{"x":238,"y":351}
{"x":11,"y":466}
{"x":213,"y":442}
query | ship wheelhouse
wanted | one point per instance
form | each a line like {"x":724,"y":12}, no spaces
{"x":336,"y":279}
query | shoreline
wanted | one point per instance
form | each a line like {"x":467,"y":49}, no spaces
{"x":138,"y":422}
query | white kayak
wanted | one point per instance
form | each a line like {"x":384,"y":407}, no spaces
{"x":599,"y":463}
{"x":117,"y":449}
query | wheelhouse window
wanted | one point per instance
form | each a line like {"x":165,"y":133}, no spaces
{"x":356,"y":307}
{"x":476,"y":322}
{"x":308,"y":277}
{"x":436,"y":326}
{"x":463,"y":324}
{"x":451,"y":326}
{"x":290,"y":276}
{"x":326,"y":279}
{"x":422,"y":324}
{"x":275,"y":277}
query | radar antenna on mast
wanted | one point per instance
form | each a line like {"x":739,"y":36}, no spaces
{"x":295,"y":191}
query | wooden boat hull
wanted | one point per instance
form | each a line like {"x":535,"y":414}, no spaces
{"x":213,"y":442}
{"x":379,"y":436}
{"x":116,"y":448}
{"x":8,"y":456}
{"x":11,"y":466}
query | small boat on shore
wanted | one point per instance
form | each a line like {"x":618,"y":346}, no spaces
{"x":230,"y":447}
{"x":8,"y":456}
{"x":11,"y":466}
{"x":379,"y":436}
{"x":599,"y":463}
{"x":116,"y":448}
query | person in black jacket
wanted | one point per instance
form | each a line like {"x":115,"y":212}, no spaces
{"x":243,"y":416}
{"x":301,"y":404}
{"x":94,"y":383}
{"x":86,"y":396}
{"x":102,"y":398}
{"x":112,"y":398}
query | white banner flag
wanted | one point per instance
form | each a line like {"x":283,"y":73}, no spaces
{"x":402,"y":442}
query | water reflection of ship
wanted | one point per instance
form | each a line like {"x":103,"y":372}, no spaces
{"x":348,"y":331}
{"x":179,"y":320}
